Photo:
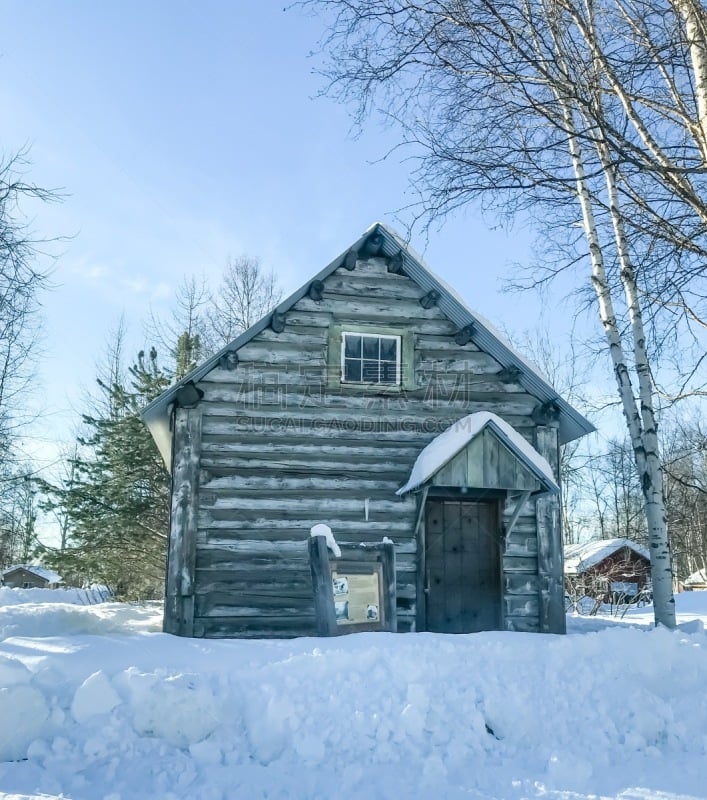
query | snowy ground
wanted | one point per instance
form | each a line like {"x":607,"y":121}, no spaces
{"x":96,"y":704}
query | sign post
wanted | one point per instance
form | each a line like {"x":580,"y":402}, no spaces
{"x":355,"y":592}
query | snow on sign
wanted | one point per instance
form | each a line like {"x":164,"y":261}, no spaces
{"x":353,"y":591}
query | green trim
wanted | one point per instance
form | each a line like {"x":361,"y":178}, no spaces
{"x":407,"y":353}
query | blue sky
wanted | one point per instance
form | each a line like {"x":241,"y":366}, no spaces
{"x":183,"y":133}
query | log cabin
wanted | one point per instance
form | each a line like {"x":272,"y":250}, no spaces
{"x":372,"y":400}
{"x":609,"y":570}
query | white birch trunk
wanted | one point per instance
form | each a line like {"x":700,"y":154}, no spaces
{"x":646,"y":452}
{"x":695,"y":19}
{"x":641,"y":425}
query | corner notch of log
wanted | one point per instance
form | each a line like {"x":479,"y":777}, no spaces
{"x":277,"y":322}
{"x":372,"y":246}
{"x":188,"y":395}
{"x":546,"y":413}
{"x":395,"y":264}
{"x":350,"y":260}
{"x":464,"y":335}
{"x":509,"y":374}
{"x":229,"y":360}
{"x":316,"y":290}
{"x":430,"y":299}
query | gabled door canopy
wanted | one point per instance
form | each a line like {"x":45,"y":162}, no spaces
{"x":482,"y":451}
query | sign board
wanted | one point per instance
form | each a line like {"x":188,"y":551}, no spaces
{"x":355,"y":592}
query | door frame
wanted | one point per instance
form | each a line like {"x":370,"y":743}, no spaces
{"x":436,"y":493}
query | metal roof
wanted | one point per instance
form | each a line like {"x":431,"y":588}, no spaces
{"x":384,"y":241}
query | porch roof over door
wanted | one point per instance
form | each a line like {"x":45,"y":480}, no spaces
{"x":482,"y":451}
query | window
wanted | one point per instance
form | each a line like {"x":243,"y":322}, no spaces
{"x":370,"y":358}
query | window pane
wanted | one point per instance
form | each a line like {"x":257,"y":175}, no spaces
{"x":389,"y":349}
{"x":352,"y":370}
{"x":370,"y":371}
{"x":370,"y":347}
{"x":389,"y":372}
{"x":353,"y":346}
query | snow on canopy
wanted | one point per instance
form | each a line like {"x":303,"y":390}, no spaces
{"x":444,"y":447}
{"x":581,"y":557}
{"x":41,"y":572}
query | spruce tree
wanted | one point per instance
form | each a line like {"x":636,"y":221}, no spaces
{"x":116,"y":503}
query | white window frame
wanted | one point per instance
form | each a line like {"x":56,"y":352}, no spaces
{"x":398,"y":358}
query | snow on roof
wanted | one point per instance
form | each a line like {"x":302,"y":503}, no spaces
{"x":580,"y":557}
{"x":445,"y":446}
{"x":41,"y":572}
{"x":696,"y":578}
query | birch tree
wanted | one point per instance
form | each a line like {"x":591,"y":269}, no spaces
{"x":246,"y":293}
{"x":591,"y":117}
{"x":21,"y":281}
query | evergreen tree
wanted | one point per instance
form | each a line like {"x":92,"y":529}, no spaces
{"x":116,"y":503}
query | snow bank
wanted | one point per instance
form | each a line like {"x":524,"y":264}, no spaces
{"x":494,"y":715}
{"x":52,"y":619}
{"x":75,"y":596}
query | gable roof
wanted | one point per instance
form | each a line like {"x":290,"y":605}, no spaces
{"x":581,"y":557}
{"x":698,"y":578}
{"x":381,"y":240}
{"x":442,"y":449}
{"x":41,"y":572}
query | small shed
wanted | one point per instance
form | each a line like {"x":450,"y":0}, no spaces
{"x":607,"y":569}
{"x":375,"y":401}
{"x":696,"y":582}
{"x":31,"y":576}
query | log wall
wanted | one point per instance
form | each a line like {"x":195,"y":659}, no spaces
{"x":282,"y":447}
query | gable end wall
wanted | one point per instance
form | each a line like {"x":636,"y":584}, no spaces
{"x":283,"y":448}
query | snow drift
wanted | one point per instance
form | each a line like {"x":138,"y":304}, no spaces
{"x":119,"y":716}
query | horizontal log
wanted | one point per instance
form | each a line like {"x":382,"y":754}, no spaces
{"x":220,"y":520}
{"x":305,"y":336}
{"x":375,"y":266}
{"x":326,"y":506}
{"x":292,"y":391}
{"x":428,"y":342}
{"x":513,"y":563}
{"x":232,"y":465}
{"x":253,"y":627}
{"x":523,"y":624}
{"x":379,"y":500}
{"x":296,"y":318}
{"x":249,"y":444}
{"x":266,"y":545}
{"x":520,"y":584}
{"x":521,"y":605}
{"x":371,"y":310}
{"x":397,"y":430}
{"x":231,"y":607}
{"x":224,"y":559}
{"x":370,"y":285}
{"x":221,"y":580}
{"x":365,"y":414}
{"x":287,"y":483}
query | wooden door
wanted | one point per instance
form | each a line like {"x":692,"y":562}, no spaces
{"x":462,"y":565}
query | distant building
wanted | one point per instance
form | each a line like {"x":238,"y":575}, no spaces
{"x":608,"y":569}
{"x":696,"y":582}
{"x":30,"y":576}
